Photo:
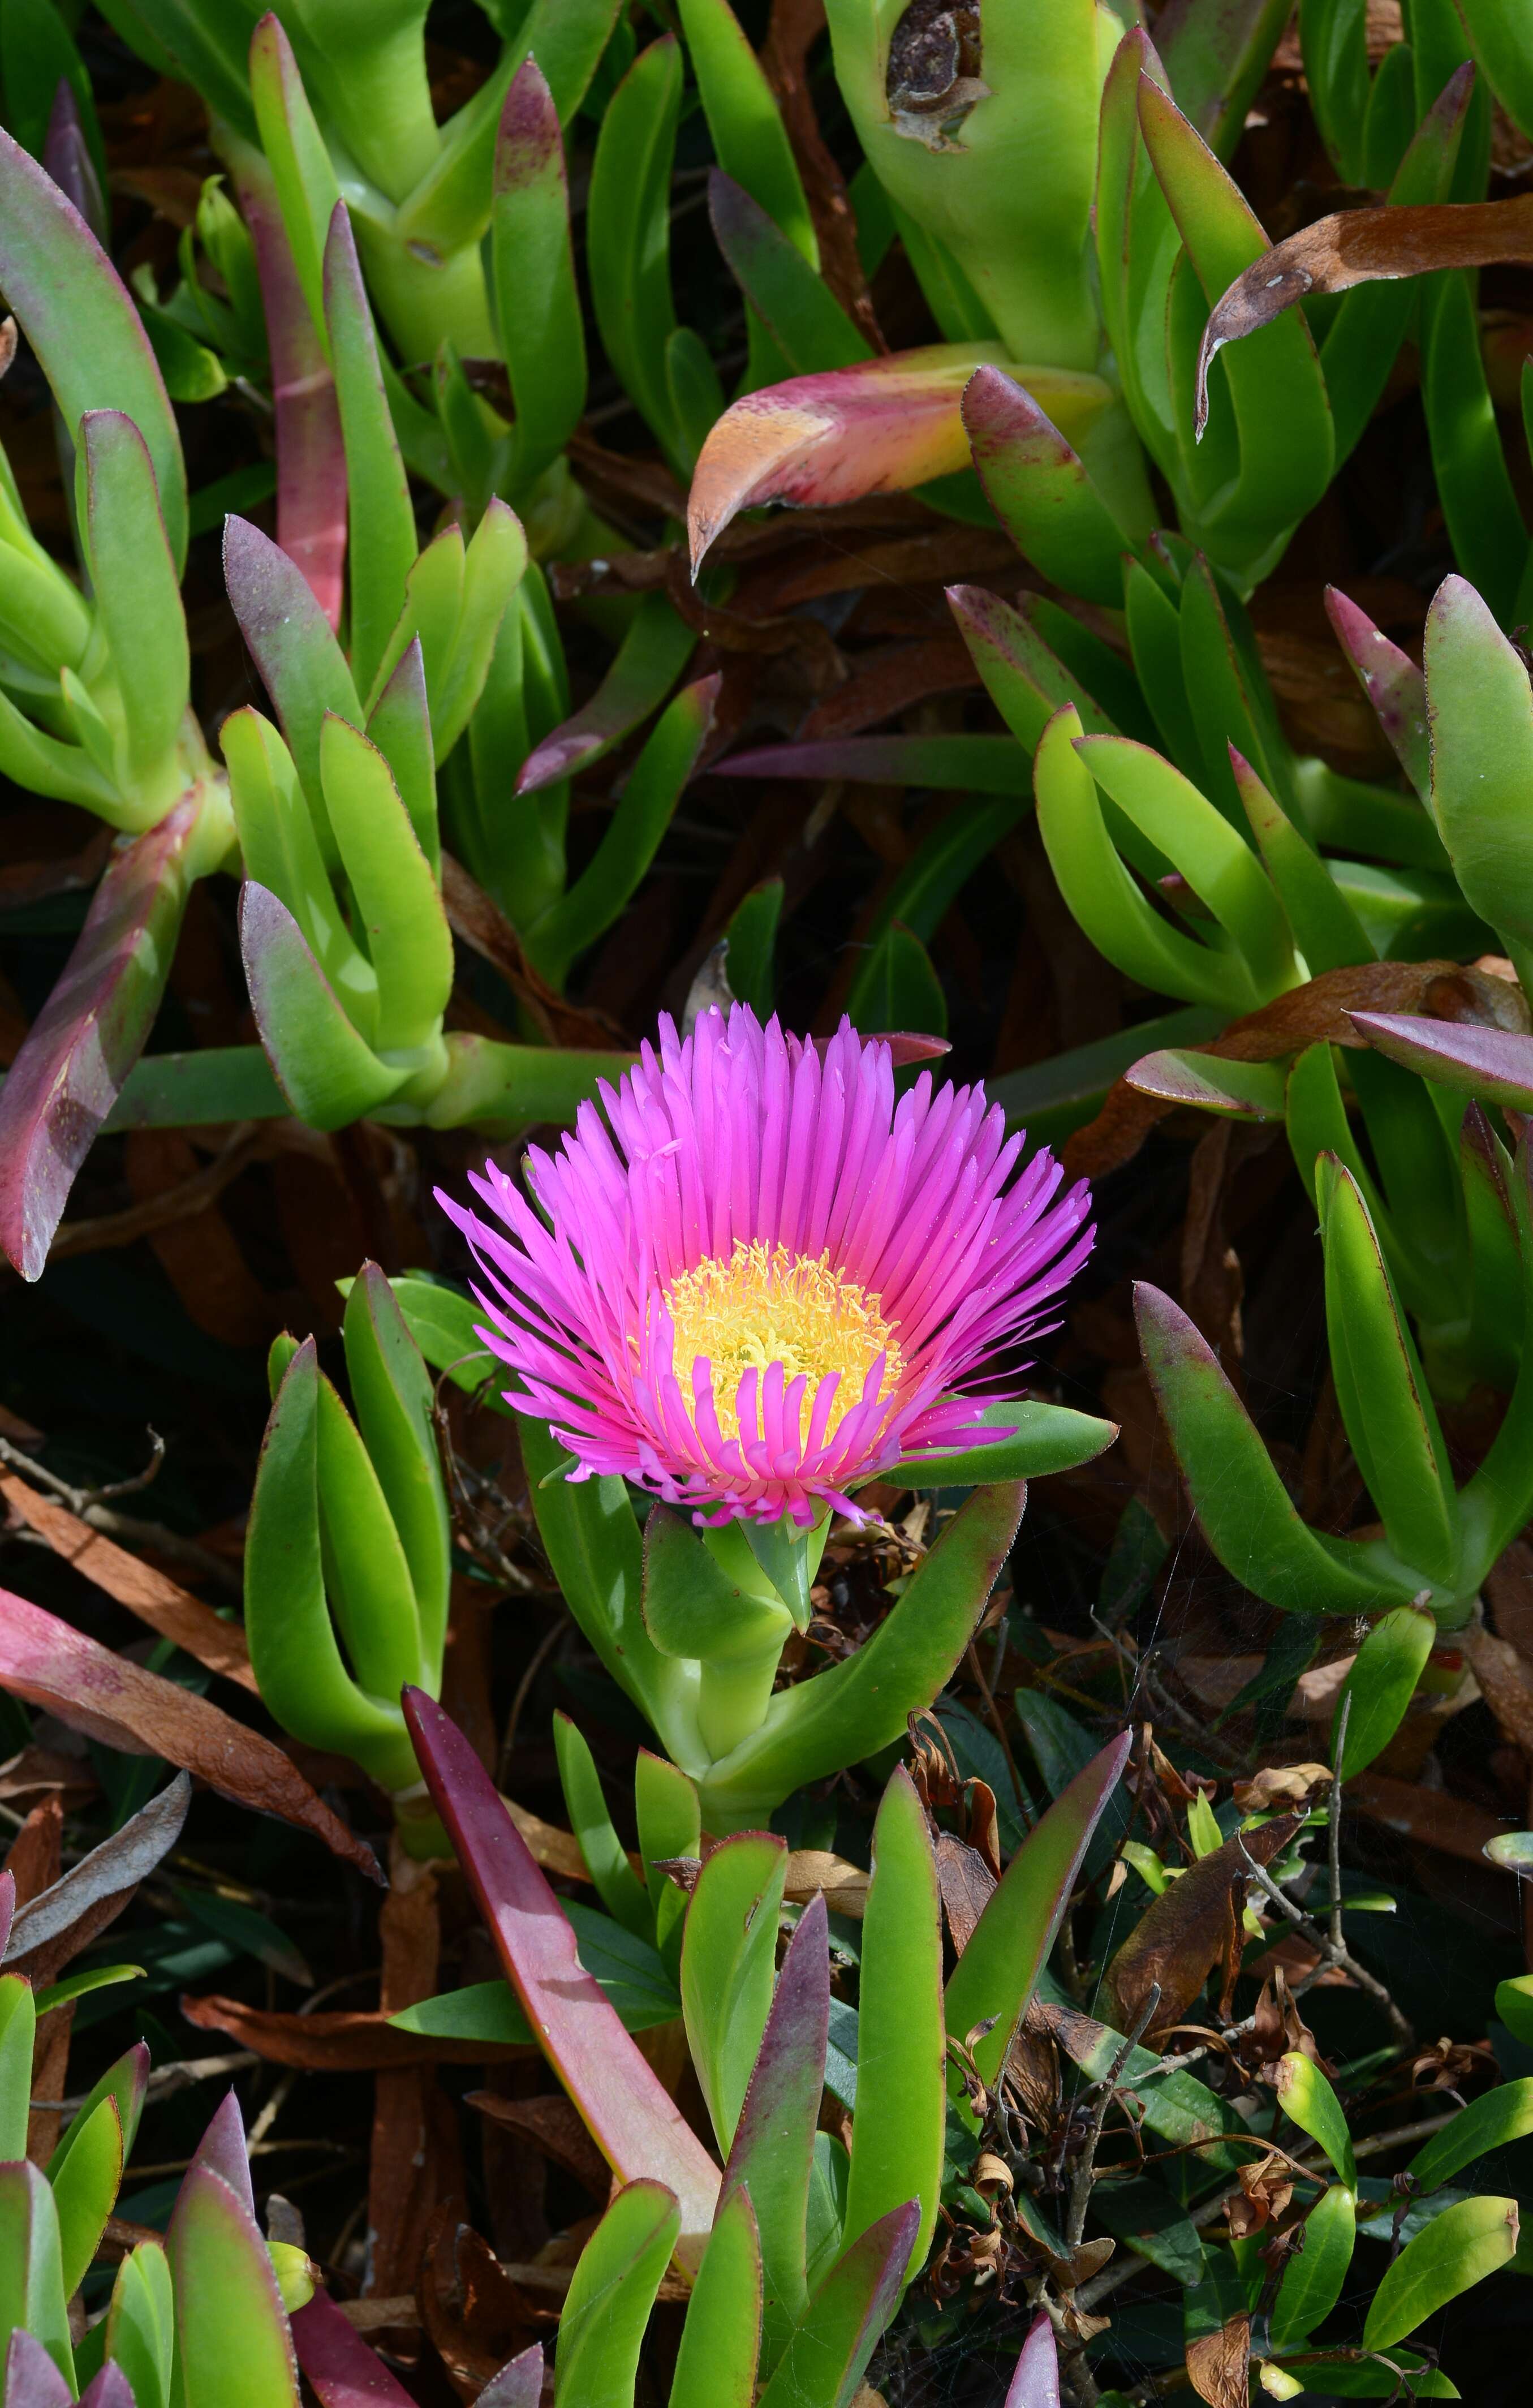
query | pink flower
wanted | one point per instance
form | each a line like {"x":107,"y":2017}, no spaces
{"x":762,"y":1279}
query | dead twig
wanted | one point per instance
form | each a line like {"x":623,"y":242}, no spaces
{"x":89,"y":1505}
{"x":1107,"y":2089}
{"x":177,"y":1203}
{"x":1333,"y":1950}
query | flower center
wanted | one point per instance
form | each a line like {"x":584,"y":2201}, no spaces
{"x":764,"y":1305}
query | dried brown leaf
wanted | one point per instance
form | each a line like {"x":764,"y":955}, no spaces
{"x":1505,"y":1684}
{"x":1277,"y":1785}
{"x":339,"y":2043}
{"x":1359,"y":247}
{"x":116,"y":1701}
{"x":1319,"y":1009}
{"x":107,"y":1876}
{"x":1219,"y":2364}
{"x":794,"y":27}
{"x":409,"y":2173}
{"x":967,"y":1884}
{"x":1509,"y":1586}
{"x":815,"y":1871}
{"x":555,"y":2126}
{"x":1432,"y":1817}
{"x":483,"y":928}
{"x":197,"y":1251}
{"x":1184,"y":1933}
{"x":166,"y":1607}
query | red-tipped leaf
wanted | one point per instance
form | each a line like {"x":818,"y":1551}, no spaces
{"x":1392,"y":683}
{"x":1494,"y":1064}
{"x":110,"y":2389}
{"x":89,"y":1033}
{"x":310,"y":455}
{"x":773,"y":2151}
{"x":519,"y":2383}
{"x":339,"y":2368}
{"x":634,"y":2122}
{"x":1036,"y":2382}
{"x":829,"y":2349}
{"x":32,"y":2379}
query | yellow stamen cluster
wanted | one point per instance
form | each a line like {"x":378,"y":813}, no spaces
{"x":765,"y":1305}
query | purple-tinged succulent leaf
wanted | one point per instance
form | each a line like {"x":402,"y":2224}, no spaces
{"x":837,"y":2336}
{"x":1025,"y":679}
{"x":8,"y":1910}
{"x":67,"y":156}
{"x":32,"y":2379}
{"x":1009,"y":1945}
{"x":77,"y":315}
{"x":811,"y":330}
{"x":310,"y":454}
{"x":89,"y":1033}
{"x":1036,"y":2382}
{"x":110,"y":2389}
{"x":228,"y":2308}
{"x":221,"y":2149}
{"x":1242,"y":1091}
{"x":1392,"y":683}
{"x":1042,"y":491}
{"x":533,"y":266}
{"x":380,"y":513}
{"x":773,"y":2151}
{"x":632,"y":2120}
{"x":1494,"y":1064}
{"x":343,"y":2373}
{"x":973,"y":764}
{"x":329,"y":1074}
{"x":290,"y":638}
{"x":646,"y":664}
{"x":519,"y":2383}
{"x":32,"y":2290}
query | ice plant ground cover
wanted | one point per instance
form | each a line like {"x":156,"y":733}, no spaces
{"x":765,"y":1280}
{"x":767,"y":997}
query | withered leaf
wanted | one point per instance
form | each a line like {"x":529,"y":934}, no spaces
{"x":1360,"y":247}
{"x":1182,"y":1934}
{"x":1278,"y":1784}
{"x":1219,"y":2364}
{"x":482,"y":926}
{"x":108,"y":1876}
{"x":555,"y":2126}
{"x":1433,"y":1816}
{"x":120,"y":1703}
{"x":813,"y":1870}
{"x":1304,"y":1016}
{"x":166,"y":1607}
{"x":1505,"y":1684}
{"x":356,"y":2042}
{"x":967,"y":1884}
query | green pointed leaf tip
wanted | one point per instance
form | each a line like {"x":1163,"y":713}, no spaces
{"x":996,"y":1973}
{"x":1247,"y":1516}
{"x":1480,"y":713}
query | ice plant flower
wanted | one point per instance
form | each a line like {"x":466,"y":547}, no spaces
{"x":764,"y":1279}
